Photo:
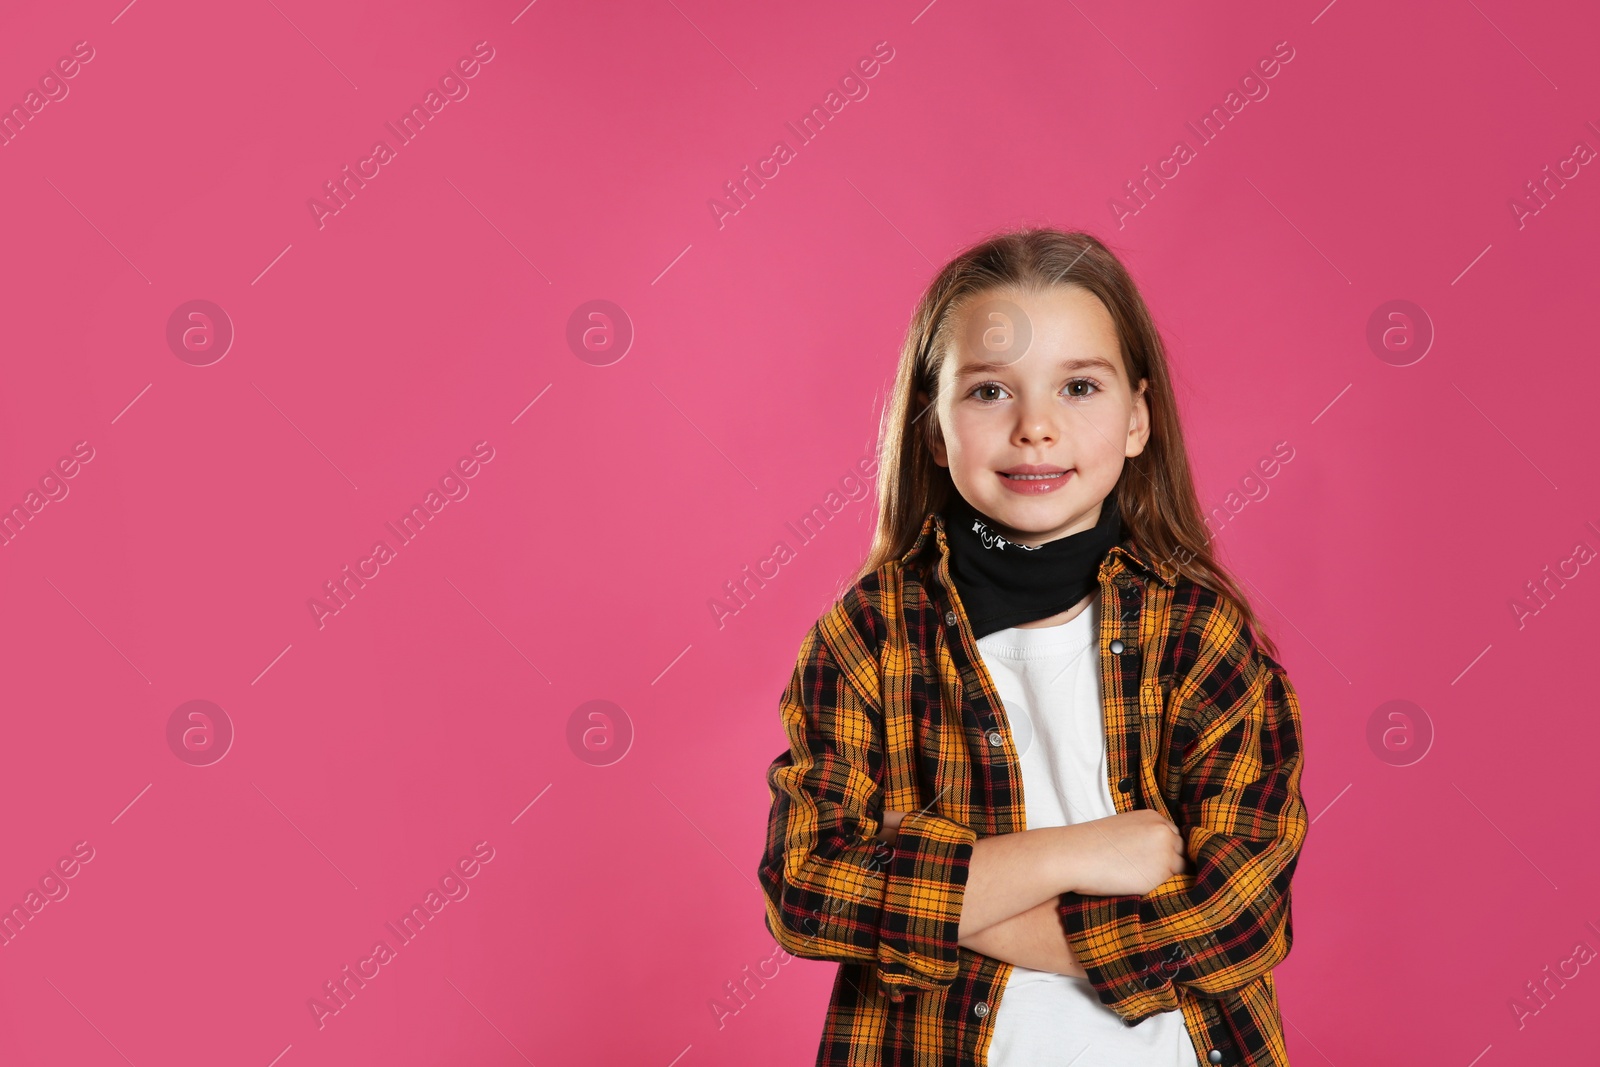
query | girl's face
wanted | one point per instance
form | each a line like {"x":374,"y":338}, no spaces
{"x":1034,"y":383}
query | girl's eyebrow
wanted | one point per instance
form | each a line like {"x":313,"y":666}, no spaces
{"x":1099,"y":363}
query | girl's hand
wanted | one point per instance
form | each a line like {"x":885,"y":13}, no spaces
{"x":1128,"y":853}
{"x":891,"y":825}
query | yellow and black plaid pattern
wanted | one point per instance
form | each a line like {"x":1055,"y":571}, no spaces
{"x":890,"y":708}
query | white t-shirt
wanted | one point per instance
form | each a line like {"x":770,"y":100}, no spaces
{"x":1049,"y":679}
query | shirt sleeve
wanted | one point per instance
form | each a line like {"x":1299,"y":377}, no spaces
{"x":832,"y":891}
{"x":1239,"y":807}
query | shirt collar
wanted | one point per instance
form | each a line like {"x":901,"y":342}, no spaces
{"x":931,"y":540}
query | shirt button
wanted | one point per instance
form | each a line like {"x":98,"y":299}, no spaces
{"x":1125,"y":784}
{"x":1214,"y":1056}
{"x":949,"y":618}
{"x":1117,"y":647}
{"x":996,"y":739}
{"x":981,"y":1009}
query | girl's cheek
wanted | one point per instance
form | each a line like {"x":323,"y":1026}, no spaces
{"x":973,"y":419}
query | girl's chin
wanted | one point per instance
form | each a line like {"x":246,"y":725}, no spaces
{"x":1028,"y":520}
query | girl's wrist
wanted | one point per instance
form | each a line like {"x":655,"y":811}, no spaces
{"x":1065,"y":858}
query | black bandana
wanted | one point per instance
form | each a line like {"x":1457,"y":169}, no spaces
{"x":1002,"y":583}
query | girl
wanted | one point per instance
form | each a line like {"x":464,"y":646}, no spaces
{"x":1042,"y":793}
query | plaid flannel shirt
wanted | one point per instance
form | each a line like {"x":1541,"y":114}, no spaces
{"x":890,"y":708}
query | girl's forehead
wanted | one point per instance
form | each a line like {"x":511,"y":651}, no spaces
{"x":1038,"y":360}
{"x":1005,"y":326}
{"x":1000,"y":335}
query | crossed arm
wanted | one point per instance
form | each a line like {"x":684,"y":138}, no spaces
{"x":1217,"y":925}
{"x":1031,"y":937}
{"x":1034,"y":939}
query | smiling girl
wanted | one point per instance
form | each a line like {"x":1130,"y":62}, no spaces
{"x":1041,"y":798}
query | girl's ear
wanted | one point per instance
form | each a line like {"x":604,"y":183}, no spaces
{"x":928,"y":426}
{"x":1139,"y":423}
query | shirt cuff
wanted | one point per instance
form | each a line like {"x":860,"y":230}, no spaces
{"x":1105,"y":936}
{"x":925,"y":882}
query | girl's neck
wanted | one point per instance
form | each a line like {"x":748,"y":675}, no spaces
{"x":1003,"y":583}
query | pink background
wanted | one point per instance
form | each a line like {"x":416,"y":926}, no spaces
{"x":426,"y":716}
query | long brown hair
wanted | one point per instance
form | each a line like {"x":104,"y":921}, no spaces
{"x":1155,"y":493}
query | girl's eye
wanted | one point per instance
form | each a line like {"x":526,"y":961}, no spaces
{"x":1091,"y":385}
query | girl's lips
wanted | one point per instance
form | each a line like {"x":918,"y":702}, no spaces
{"x":1034,"y":484}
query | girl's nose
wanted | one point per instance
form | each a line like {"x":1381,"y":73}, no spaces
{"x":1036,"y":422}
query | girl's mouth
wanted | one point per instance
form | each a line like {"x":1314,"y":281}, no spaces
{"x":1035,"y":483}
